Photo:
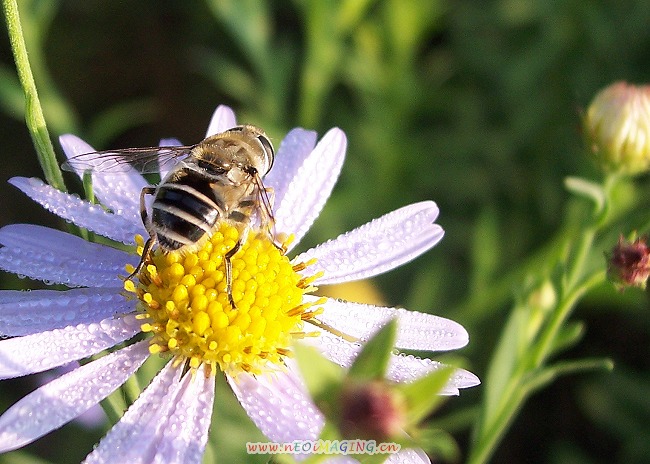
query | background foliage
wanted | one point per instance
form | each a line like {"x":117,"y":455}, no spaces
{"x":475,"y":105}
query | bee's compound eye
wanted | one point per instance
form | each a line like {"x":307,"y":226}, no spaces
{"x":268,"y":150}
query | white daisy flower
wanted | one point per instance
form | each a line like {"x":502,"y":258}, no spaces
{"x":181,"y":302}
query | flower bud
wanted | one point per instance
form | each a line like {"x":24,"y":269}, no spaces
{"x":617,"y":126}
{"x":629,"y":263}
{"x":540,"y":302}
{"x":544,"y":297}
{"x":372,"y":411}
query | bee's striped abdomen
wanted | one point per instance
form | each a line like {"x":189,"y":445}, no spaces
{"x":184,"y":210}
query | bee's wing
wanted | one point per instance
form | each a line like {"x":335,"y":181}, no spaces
{"x":144,"y":160}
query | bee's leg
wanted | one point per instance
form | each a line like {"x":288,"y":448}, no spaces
{"x":148,"y":245}
{"x":270,"y":226}
{"x":228,"y":258}
{"x":143,"y":210}
{"x":186,"y":367}
{"x":147,"y":225}
{"x":270,"y":195}
{"x":267,"y":197}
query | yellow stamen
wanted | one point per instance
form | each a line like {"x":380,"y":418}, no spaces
{"x":187,"y":309}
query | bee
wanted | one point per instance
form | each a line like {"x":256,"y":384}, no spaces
{"x":219,"y":178}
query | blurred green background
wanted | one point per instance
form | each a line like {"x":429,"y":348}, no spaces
{"x":474,"y":104}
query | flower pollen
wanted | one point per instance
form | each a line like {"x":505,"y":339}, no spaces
{"x":185,"y":304}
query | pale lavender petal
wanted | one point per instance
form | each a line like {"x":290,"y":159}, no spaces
{"x":135,"y":437}
{"x":169,"y":142}
{"x":93,"y":418}
{"x":407,"y":368}
{"x":118,"y":191}
{"x":38,"y":352}
{"x":166,"y":167}
{"x":401,"y":368}
{"x":378,"y":246}
{"x":291,"y":155}
{"x":311,"y":186}
{"x":65,"y":398}
{"x":80,"y":212}
{"x":333,"y":348}
{"x":222,"y":120}
{"x":278,"y":403}
{"x":186,"y":432}
{"x":30,"y":312}
{"x":415,"y":331}
{"x":167,"y":423}
{"x":54,"y":256}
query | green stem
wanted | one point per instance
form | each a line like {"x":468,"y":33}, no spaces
{"x":545,"y":344}
{"x":114,"y":406}
{"x":574,"y":273}
{"x":575,"y":285}
{"x":516,"y":393}
{"x":33,"y":112}
{"x":488,"y":442}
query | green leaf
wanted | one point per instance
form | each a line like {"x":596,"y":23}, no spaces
{"x":321,"y":375}
{"x":504,"y":362}
{"x":33,"y":112}
{"x":249,"y":22}
{"x":324,"y":52}
{"x":568,"y":336}
{"x":543,"y":377}
{"x":486,"y":250}
{"x":587,"y":189}
{"x":351,"y":13}
{"x":407,"y":22}
{"x":422,"y":396}
{"x":22,"y":457}
{"x":439,"y":443}
{"x":228,"y":75}
{"x":372,"y":362}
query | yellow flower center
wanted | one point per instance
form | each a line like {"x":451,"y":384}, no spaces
{"x":185,"y":304}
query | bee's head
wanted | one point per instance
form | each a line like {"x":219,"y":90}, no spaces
{"x":263,"y":154}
